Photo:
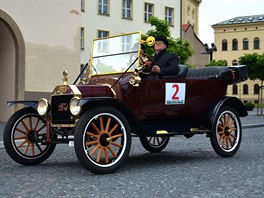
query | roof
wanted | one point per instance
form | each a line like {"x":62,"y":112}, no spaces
{"x":242,"y":20}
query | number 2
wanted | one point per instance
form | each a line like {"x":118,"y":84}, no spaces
{"x":175,"y":97}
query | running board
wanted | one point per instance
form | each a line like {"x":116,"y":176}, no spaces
{"x":192,"y":131}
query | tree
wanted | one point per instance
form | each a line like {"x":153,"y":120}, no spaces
{"x":178,"y":46}
{"x":255,"y":63}
{"x":217,"y":63}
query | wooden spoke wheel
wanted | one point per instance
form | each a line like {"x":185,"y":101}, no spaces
{"x":23,"y":136}
{"x":102,"y":140}
{"x":227,"y":132}
{"x":154,"y":144}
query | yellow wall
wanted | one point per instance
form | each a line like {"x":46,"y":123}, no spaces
{"x":239,"y":32}
{"x":190,"y":13}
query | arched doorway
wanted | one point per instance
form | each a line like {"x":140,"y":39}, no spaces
{"x":12,"y":64}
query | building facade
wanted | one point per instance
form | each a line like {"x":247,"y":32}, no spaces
{"x":234,"y":38}
{"x":190,"y":14}
{"x":200,"y":57}
{"x":36,"y":45}
{"x":107,"y":17}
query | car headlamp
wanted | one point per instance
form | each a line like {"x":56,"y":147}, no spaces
{"x":74,"y":107}
{"x":43,"y":106}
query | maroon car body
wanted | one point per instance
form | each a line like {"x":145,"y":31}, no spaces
{"x":99,"y":115}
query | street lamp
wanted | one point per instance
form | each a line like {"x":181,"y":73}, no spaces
{"x":210,"y":50}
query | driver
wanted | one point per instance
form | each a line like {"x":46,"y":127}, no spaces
{"x":165,"y":63}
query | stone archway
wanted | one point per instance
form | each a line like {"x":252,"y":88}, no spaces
{"x":12,"y":64}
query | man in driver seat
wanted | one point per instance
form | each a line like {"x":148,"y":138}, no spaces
{"x":165,"y":63}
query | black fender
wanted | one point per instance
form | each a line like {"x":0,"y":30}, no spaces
{"x":225,"y":101}
{"x":92,"y":102}
{"x":28,"y":103}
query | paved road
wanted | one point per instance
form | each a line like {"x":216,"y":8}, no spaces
{"x":186,"y":168}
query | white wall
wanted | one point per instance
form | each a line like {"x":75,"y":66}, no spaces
{"x":92,"y":22}
{"x":51,"y":34}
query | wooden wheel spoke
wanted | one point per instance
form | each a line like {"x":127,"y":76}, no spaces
{"x":226,"y":140}
{"x":40,"y":128}
{"x":101,"y":124}
{"x":36,"y":125}
{"x":25,"y":126}
{"x":26,"y":149}
{"x":116,"y":136}
{"x":118,"y":145}
{"x":22,"y":143}
{"x":94,"y":150}
{"x":233,"y":136}
{"x":99,"y":155}
{"x":91,"y":134}
{"x":233,"y":128}
{"x":95,"y":128}
{"x":30,"y":123}
{"x":91,"y":143}
{"x":108,"y":124}
{"x":106,"y":156}
{"x":33,"y":149}
{"x":21,"y":138}
{"x":111,"y":150}
{"x":230,"y":141}
{"x":113,"y":129}
{"x":21,"y":131}
{"x":39,"y":148}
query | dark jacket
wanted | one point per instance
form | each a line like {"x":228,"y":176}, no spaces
{"x":168,"y":63}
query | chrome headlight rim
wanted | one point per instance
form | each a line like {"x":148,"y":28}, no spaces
{"x":75,"y":109}
{"x":43,"y":106}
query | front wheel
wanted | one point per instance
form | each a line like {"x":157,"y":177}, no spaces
{"x":154,"y":144}
{"x":102,"y":140}
{"x":227,"y":132}
{"x":23,"y":134}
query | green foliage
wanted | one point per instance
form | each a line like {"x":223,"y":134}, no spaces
{"x":217,"y":63}
{"x":255,"y":63}
{"x":180,"y":47}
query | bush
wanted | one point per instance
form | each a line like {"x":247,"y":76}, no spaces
{"x":249,"y":106}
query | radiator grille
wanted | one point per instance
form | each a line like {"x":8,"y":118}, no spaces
{"x":60,"y":110}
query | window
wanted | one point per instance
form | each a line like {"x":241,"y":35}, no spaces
{"x":256,"y":89}
{"x":234,"y":89}
{"x":103,"y":45}
{"x":256,"y":43}
{"x":245,"y":89}
{"x":148,"y":11}
{"x":82,"y":5}
{"x":103,"y":7}
{"x":169,"y":15}
{"x":127,"y":9}
{"x":82,"y":38}
{"x":234,"y":44}
{"x":245,"y":44}
{"x":126,"y":43}
{"x":224,"y":45}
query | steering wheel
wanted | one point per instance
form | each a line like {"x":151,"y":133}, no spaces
{"x":142,"y":62}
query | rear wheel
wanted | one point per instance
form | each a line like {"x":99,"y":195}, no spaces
{"x":102,"y":140}
{"x":154,"y":144}
{"x":23,"y":134}
{"x":227,"y":132}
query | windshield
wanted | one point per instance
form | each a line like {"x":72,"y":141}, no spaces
{"x":115,"y":54}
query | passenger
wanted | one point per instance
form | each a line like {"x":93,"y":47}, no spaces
{"x":166,"y":63}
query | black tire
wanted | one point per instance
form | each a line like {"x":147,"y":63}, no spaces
{"x":227,"y":132}
{"x":21,"y":133}
{"x":154,"y":144}
{"x":102,"y":140}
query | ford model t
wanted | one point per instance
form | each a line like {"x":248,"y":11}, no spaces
{"x":112,"y":101}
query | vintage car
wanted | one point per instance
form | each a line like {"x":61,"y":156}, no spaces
{"x":112,"y":101}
